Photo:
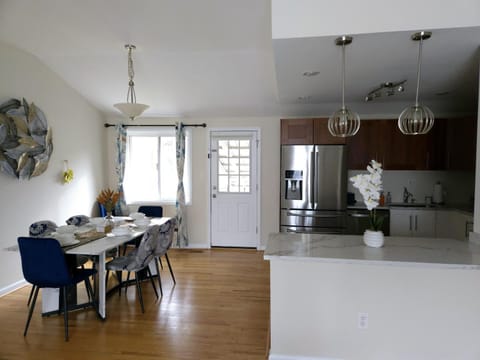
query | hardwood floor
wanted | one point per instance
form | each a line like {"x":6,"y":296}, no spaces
{"x":219,"y":309}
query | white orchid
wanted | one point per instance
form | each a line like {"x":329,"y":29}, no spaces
{"x":370,"y":186}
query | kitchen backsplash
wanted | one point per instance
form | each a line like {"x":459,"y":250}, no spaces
{"x":458,"y":187}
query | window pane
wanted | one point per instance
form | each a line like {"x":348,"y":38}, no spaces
{"x":168,"y":168}
{"x":223,"y":166}
{"x":223,"y":148}
{"x":245,"y":143}
{"x":233,"y":152}
{"x":141,"y":176}
{"x":233,"y":183}
{"x":223,"y":183}
{"x":233,"y":143}
{"x":244,"y":183}
{"x":245,"y":152}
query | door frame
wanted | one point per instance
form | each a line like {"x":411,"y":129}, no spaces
{"x":232,"y":130}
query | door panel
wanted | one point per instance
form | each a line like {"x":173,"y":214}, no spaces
{"x":233,"y":190}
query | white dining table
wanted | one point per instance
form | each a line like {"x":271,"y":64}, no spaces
{"x":98,"y":250}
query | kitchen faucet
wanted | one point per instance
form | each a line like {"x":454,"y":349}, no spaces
{"x":406,"y":195}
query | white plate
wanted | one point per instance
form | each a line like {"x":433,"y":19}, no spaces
{"x":119,"y":231}
{"x":66,"y":239}
{"x":66,"y":229}
{"x":137,"y":215}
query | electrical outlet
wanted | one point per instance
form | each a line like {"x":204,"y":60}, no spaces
{"x":363,"y":320}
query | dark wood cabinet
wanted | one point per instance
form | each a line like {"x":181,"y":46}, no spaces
{"x":307,"y":132}
{"x":461,"y":144}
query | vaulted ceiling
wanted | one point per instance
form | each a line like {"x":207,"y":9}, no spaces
{"x":218,"y":58}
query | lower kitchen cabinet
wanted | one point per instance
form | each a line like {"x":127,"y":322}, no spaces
{"x":409,"y":222}
{"x":453,"y":224}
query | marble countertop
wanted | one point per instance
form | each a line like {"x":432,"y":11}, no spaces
{"x":397,"y":251}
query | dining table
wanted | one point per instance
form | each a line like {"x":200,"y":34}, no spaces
{"x":97,"y":249}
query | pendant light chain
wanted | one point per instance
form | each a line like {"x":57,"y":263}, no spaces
{"x":131,"y":96}
{"x":343,"y":76}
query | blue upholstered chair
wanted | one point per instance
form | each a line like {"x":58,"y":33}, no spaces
{"x":137,"y":260}
{"x":44,"y":265}
{"x":151,"y":210}
{"x":165,"y":240}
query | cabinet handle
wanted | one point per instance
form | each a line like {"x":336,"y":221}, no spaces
{"x":410,"y":228}
{"x":416,"y":222}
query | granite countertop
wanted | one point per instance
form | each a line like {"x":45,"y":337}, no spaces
{"x":397,"y":251}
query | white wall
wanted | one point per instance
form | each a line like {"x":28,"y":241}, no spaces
{"x":414,"y":312}
{"x":197,"y":212}
{"x":77,"y":137}
{"x":308,"y":18}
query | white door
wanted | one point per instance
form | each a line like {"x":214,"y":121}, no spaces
{"x":233,"y":188}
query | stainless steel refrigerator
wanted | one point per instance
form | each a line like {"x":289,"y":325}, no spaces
{"x":313,"y":187}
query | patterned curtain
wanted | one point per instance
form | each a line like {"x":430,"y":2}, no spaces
{"x":182,"y":236}
{"x":121,"y":207}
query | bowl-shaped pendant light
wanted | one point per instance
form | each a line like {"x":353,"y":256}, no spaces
{"x":343,"y":122}
{"x":417,"y":119}
{"x":131,"y":108}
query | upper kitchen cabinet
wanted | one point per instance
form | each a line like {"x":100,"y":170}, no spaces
{"x":307,"y":132}
{"x":382,"y":140}
{"x":461,"y":139}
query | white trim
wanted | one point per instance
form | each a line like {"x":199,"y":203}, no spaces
{"x":296,"y":357}
{"x":12,"y":287}
{"x":193,"y":246}
{"x":228,"y":131}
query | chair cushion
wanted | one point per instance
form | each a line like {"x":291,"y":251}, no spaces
{"x":78,"y":220}
{"x":42,"y":228}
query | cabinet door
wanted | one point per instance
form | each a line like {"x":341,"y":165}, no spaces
{"x":423,"y":223}
{"x":400,"y":222}
{"x":321,"y":134}
{"x":444,"y":224}
{"x":461,"y":144}
{"x":296,"y":131}
{"x":364,"y":146}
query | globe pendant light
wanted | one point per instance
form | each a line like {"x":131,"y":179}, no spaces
{"x":131,"y":108}
{"x":417,"y":119}
{"x":343,"y":122}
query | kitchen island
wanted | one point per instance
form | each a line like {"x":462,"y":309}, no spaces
{"x":334,"y":298}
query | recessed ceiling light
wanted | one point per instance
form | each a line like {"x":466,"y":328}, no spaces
{"x":311,"y":73}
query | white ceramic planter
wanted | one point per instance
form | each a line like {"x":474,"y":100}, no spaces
{"x":373,"y":238}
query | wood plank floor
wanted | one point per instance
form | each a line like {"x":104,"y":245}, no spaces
{"x":219,"y":309}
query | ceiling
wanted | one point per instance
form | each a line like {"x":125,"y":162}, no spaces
{"x":217,"y":58}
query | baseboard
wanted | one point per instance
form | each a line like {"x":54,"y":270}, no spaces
{"x":12,"y":287}
{"x":192,"y":246}
{"x":261,"y":248}
{"x":296,"y":357}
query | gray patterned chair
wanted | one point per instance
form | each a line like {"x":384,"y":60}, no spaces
{"x":165,"y":240}
{"x":137,"y":261}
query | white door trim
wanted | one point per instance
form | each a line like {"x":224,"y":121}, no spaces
{"x":257,"y":130}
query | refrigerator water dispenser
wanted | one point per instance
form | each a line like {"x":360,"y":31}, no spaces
{"x":293,"y":184}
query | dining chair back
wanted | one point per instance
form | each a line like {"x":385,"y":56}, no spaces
{"x":138,"y":260}
{"x":151,"y":210}
{"x":44,"y":265}
{"x":165,"y":240}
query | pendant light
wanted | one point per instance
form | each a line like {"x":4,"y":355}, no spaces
{"x":417,"y":119}
{"x":131,"y":108}
{"x":343,"y":122}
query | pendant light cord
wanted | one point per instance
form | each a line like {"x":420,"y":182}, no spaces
{"x":343,"y":76}
{"x":419,"y":67}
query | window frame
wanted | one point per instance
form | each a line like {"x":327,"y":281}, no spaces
{"x":158,"y":132}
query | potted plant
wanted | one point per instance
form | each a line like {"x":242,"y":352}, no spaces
{"x":370,"y":186}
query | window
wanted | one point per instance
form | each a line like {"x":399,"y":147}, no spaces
{"x":151,"y":166}
{"x":234,"y":166}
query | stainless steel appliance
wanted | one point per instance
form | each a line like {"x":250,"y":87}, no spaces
{"x":313,"y":189}
{"x":358,"y":221}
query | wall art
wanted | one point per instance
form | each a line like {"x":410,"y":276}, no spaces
{"x":25,"y":139}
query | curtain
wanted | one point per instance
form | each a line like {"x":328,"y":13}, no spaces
{"x":182,"y":236}
{"x":121,"y":206}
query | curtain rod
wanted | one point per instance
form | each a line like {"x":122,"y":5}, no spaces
{"x":107,"y":125}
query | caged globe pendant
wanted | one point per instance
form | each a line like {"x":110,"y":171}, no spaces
{"x":343,"y":122}
{"x":417,"y":119}
{"x":131,"y":108}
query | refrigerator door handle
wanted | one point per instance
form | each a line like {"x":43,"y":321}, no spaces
{"x":312,"y":166}
{"x":289,"y":213}
{"x":316,"y":167}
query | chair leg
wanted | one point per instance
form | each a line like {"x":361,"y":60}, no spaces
{"x":31,"y":294}
{"x":139,"y":290}
{"x":65,"y":312}
{"x":149,"y":273}
{"x":126,"y":282}
{"x":91,"y":296}
{"x":30,"y":312}
{"x":119,"y":278}
{"x":170,"y":267}
{"x":159,"y":278}
{"x":160,"y":261}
